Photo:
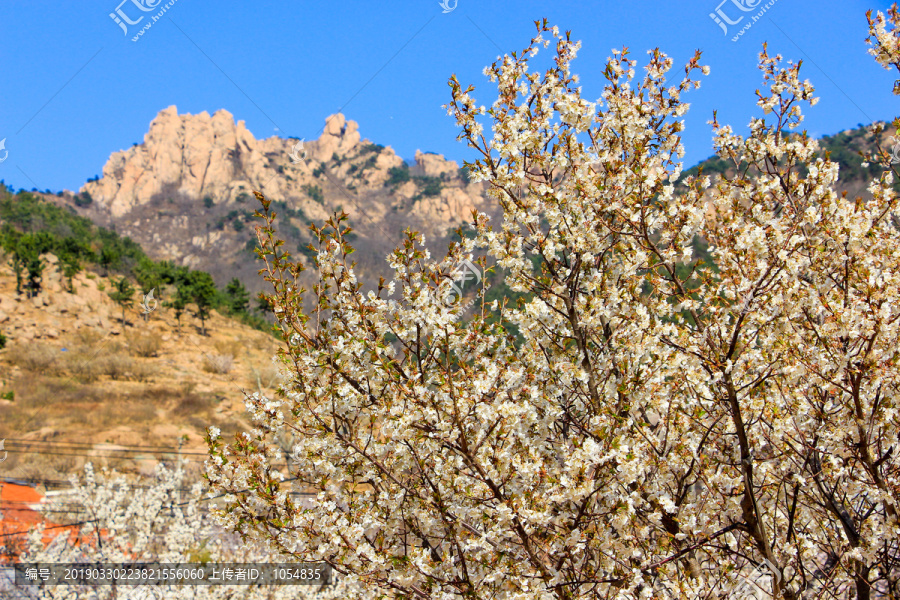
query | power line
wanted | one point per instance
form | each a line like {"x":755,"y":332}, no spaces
{"x":45,"y":453}
{"x":60,"y":442}
{"x":116,"y":448}
{"x":67,"y":484}
{"x":40,"y":511}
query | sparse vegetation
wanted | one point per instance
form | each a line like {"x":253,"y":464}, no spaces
{"x":83,"y":200}
{"x":314,"y":192}
{"x":77,"y":406}
{"x":115,"y":366}
{"x":367,"y":148}
{"x":398,"y":175}
{"x":219,"y":364}
{"x":35,"y":356}
{"x":143,"y":345}
{"x":431,"y":186}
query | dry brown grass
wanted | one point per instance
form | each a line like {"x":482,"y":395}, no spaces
{"x":87,"y":336}
{"x":226,"y":347}
{"x":84,"y":370}
{"x":218,"y":363}
{"x":192,"y":408}
{"x":142,"y":372}
{"x":37,"y":357}
{"x":107,"y":386}
{"x":191,"y":405}
{"x":115,"y":366}
{"x":88,"y":358}
{"x":68,"y":405}
{"x":187,"y":387}
{"x":143,"y":345}
{"x":38,"y":466}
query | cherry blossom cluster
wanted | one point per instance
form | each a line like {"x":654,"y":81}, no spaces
{"x":884,"y":42}
{"x":151,"y":520}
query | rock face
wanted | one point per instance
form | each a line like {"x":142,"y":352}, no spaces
{"x":199,"y":156}
{"x":185,"y":193}
{"x":434,"y":165}
{"x":339,"y":137}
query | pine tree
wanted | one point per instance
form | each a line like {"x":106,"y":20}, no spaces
{"x":18,"y":266}
{"x":70,"y":265}
{"x":123,"y":295}
{"x":109,"y":258}
{"x":204,"y":294}
{"x":178,"y":302}
{"x":34,"y":266}
{"x":238,"y":298}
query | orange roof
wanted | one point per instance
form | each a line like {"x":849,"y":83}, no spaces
{"x":17,"y":518}
{"x":15,"y":505}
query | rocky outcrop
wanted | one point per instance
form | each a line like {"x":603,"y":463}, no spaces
{"x":434,"y":165}
{"x":339,"y":137}
{"x":199,"y":156}
{"x":185,"y":193}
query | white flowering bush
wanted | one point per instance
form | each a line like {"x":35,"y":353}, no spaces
{"x":156,"y":520}
{"x":664,"y":428}
{"x":884,"y":39}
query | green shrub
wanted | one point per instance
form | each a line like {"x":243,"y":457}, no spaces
{"x":431,"y":186}
{"x":398,"y":175}
{"x":83,"y":200}
{"x":314,"y":192}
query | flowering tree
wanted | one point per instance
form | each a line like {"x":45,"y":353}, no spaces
{"x":154,"y":521}
{"x":667,"y":428}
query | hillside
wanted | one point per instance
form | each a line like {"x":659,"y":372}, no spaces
{"x":70,"y":371}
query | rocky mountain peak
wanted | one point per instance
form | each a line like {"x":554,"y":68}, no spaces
{"x":185,"y":193}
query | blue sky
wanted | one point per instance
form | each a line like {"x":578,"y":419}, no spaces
{"x":78,"y":88}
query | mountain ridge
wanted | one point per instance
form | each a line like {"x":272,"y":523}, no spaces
{"x":185,"y":193}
